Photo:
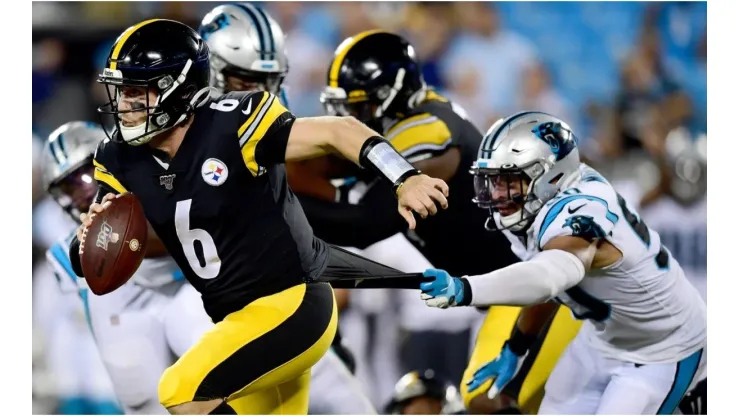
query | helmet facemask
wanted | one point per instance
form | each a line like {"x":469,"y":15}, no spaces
{"x":152,"y":99}
{"x":508,"y":194}
{"x":227,"y":78}
{"x":75,"y":191}
{"x":370,"y":107}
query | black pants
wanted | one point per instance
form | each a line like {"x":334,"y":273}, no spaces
{"x":444,"y":352}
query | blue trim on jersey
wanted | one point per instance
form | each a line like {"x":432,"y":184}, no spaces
{"x":558,"y":207}
{"x":178,"y":275}
{"x":62,"y":257}
{"x":263,"y":28}
{"x":685,"y":372}
{"x":284,"y":98}
{"x":86,"y":305}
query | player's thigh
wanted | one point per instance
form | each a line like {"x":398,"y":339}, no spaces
{"x":652,"y":388}
{"x":289,"y":398}
{"x":133,"y":348}
{"x":577,"y":382}
{"x":494,"y":331}
{"x":267,"y":343}
{"x":543,"y":359}
{"x":185,"y":321}
{"x":334,"y":390}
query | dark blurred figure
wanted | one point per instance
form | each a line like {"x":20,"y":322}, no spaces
{"x":424,"y":394}
{"x":430,"y":26}
{"x":650,"y":102}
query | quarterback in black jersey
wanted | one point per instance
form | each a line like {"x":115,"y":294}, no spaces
{"x":210,"y":176}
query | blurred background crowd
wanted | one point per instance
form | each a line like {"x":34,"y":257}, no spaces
{"x":629,"y":77}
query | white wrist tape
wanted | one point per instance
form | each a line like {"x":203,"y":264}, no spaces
{"x":535,"y":281}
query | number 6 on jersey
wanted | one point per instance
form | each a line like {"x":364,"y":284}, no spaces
{"x":188,"y":238}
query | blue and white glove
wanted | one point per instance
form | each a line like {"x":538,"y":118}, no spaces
{"x":440,"y":290}
{"x":501,"y":371}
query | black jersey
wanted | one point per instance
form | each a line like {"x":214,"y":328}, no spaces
{"x":222,"y":206}
{"x":454,"y":239}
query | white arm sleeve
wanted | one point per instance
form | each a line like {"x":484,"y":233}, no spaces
{"x":535,"y":281}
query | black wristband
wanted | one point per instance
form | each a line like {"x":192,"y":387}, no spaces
{"x":467,"y":293}
{"x":519,"y":342}
{"x":378,"y":155}
{"x":74,"y":256}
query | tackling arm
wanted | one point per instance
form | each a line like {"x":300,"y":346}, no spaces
{"x":561,"y":265}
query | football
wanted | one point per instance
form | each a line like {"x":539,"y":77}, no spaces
{"x":114,"y":244}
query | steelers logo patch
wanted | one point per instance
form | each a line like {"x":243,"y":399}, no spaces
{"x":214,"y":172}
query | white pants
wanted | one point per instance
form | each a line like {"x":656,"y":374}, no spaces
{"x":140,"y":332}
{"x":69,"y":349}
{"x":335,"y":391}
{"x":584,"y":382}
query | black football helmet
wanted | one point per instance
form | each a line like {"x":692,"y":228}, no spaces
{"x":161,"y":56}
{"x":415,"y":385}
{"x":374,"y":77}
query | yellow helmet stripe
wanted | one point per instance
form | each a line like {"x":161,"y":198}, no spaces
{"x":123,"y":38}
{"x":342,"y":51}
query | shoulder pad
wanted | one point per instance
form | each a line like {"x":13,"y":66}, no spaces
{"x":574,"y":214}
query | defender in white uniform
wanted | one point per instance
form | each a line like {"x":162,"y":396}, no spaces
{"x":248,"y":53}
{"x":643,"y":344}
{"x":144,"y":325}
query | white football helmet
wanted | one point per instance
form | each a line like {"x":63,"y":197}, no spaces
{"x":247,"y":49}
{"x":535,"y":148}
{"x":68,"y":165}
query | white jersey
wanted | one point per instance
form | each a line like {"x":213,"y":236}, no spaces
{"x":641,"y":309}
{"x":152,"y":273}
{"x":682,"y":230}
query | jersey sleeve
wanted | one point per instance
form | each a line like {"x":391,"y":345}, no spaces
{"x":264,"y":128}
{"x":420,"y":137}
{"x":103,"y":160}
{"x":580,"y":215}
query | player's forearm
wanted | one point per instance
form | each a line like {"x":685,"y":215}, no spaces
{"x":533,"y":318}
{"x":316,"y":136}
{"x":535,"y":281}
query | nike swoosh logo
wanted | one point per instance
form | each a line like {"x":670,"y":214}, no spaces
{"x":570,"y":211}
{"x":249,"y":108}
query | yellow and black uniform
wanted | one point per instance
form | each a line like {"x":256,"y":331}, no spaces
{"x":528,"y":387}
{"x":224,"y":212}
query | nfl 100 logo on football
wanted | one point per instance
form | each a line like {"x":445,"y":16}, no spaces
{"x":105,"y":236}
{"x":214,"y":172}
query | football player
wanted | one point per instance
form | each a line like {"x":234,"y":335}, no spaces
{"x":210,"y":176}
{"x":138,"y":327}
{"x":334,"y":390}
{"x":376,"y":77}
{"x":642,"y":344}
{"x":424,"y":394}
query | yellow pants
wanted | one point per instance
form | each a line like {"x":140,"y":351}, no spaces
{"x":530,"y":382}
{"x":258,"y":359}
